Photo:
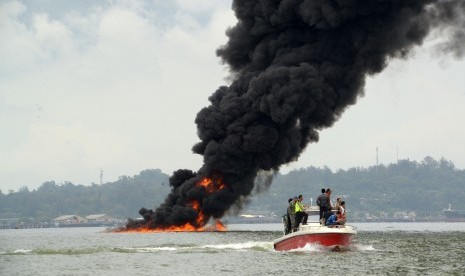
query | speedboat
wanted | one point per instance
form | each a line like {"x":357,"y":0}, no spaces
{"x":315,"y":233}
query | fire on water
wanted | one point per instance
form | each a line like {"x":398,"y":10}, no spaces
{"x":211,"y":186}
{"x":217,"y":227}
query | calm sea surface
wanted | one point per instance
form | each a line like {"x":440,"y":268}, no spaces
{"x":379,"y":249}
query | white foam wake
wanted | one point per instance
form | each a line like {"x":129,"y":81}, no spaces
{"x":241,"y":246}
{"x":152,"y":249}
{"x":363,"y":247}
{"x":22,"y":251}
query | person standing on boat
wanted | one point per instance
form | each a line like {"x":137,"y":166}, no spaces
{"x":321,"y":198}
{"x":300,"y":214}
{"x":329,"y":205}
{"x":291,"y":215}
{"x":328,"y":194}
{"x":324,"y":201}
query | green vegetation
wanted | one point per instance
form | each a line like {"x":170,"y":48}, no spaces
{"x":425,"y":187}
{"x":122,"y":198}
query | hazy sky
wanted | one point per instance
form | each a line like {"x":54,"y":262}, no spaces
{"x":116,"y":85}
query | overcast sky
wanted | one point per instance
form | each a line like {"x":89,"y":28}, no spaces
{"x":116,"y":85}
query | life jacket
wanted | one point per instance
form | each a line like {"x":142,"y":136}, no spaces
{"x":299,"y":207}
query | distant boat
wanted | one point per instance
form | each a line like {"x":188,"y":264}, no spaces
{"x":454,"y":215}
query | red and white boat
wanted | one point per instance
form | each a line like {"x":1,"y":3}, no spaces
{"x":314,"y":233}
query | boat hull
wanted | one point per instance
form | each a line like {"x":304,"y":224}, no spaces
{"x":316,"y":234}
{"x":455,"y":215}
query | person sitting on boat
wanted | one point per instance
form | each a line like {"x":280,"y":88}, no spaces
{"x":300,"y":215}
{"x":338,"y":203}
{"x":342,"y":211}
{"x":334,"y":219}
{"x":341,"y":219}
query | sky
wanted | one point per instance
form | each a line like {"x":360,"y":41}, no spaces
{"x":116,"y":85}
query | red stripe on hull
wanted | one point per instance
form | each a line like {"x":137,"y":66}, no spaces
{"x":325,"y":239}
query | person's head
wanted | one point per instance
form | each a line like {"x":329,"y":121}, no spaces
{"x":328,"y":191}
{"x":289,"y":200}
{"x":301,"y":197}
{"x":323,"y":190}
{"x":343,"y":203}
{"x":339,"y":199}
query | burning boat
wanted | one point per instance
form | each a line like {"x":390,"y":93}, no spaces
{"x":199,"y":220}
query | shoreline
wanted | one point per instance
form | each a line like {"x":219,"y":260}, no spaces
{"x":226,"y":222}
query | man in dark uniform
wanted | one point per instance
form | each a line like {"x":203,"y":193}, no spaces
{"x":321,"y":202}
{"x":290,"y":215}
{"x":324,"y":201}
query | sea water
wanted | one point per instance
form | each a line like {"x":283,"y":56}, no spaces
{"x":245,"y":249}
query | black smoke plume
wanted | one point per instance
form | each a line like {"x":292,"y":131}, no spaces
{"x":296,"y":65}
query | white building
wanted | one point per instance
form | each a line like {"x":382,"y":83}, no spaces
{"x":70,"y":219}
{"x":100,"y":218}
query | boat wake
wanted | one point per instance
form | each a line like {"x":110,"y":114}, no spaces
{"x":246,"y":246}
{"x":363,"y":247}
{"x":251,"y":245}
{"x":311,"y":247}
{"x":315,"y":247}
{"x":258,"y":246}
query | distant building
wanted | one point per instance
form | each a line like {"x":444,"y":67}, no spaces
{"x":70,"y":219}
{"x":100,"y":218}
{"x":9,"y":223}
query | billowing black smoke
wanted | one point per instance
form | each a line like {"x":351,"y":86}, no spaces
{"x":296,"y":66}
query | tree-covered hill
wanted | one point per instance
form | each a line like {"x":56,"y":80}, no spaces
{"x":122,"y":198}
{"x":425,"y":187}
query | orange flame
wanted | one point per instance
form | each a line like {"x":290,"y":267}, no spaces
{"x":211,"y":185}
{"x":220,"y":226}
{"x":200,"y":217}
